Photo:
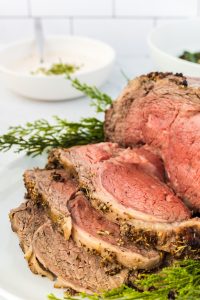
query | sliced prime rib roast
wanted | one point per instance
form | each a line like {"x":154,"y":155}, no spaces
{"x":143,"y":157}
{"x":90,"y":228}
{"x":25,"y":220}
{"x":146,"y":209}
{"x":161,"y":110}
{"x":54,"y":256}
{"x":49,"y":188}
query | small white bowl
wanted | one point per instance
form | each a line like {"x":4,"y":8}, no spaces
{"x":169,"y":41}
{"x":19,"y":59}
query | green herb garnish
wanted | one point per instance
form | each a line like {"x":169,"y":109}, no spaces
{"x":41,"y":135}
{"x":34,"y":138}
{"x":101,"y":101}
{"x":180,"y":281}
{"x":57,"y":69}
{"x":191,"y":56}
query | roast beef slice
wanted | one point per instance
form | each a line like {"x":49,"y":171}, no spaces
{"x":73,"y":266}
{"x":89,"y":226}
{"x":53,"y":189}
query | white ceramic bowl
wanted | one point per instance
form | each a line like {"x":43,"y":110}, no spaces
{"x":95,"y":58}
{"x":169,"y":41}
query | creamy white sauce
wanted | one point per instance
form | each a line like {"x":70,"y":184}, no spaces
{"x":31,"y":63}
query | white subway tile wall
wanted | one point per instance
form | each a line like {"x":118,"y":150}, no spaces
{"x":56,"y":26}
{"x":159,"y":8}
{"x":71,"y":7}
{"x":12,"y":30}
{"x":13,"y":8}
{"x":124,"y":24}
{"x":128,"y":37}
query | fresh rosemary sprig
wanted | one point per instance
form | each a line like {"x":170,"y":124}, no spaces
{"x":100,"y":101}
{"x":34,"y":138}
{"x":180,"y":281}
{"x":125,"y":76}
{"x":191,"y":56}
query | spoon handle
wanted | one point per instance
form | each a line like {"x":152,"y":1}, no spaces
{"x":39,"y":37}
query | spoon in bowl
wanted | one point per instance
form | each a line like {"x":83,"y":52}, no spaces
{"x":39,"y":38}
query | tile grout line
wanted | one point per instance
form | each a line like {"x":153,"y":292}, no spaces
{"x":198,"y":8}
{"x":155,"y":22}
{"x":133,"y":17}
{"x":29,"y":8}
{"x":113,"y":8}
{"x":71,"y":25}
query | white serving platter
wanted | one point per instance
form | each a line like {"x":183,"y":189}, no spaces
{"x":17,"y":282}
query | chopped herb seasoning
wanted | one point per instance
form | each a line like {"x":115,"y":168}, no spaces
{"x":57,"y":69}
{"x":103,"y":232}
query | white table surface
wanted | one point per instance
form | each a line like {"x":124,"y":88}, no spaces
{"x":15,"y":110}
